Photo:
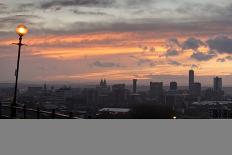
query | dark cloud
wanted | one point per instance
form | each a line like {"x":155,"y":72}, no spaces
{"x":26,"y":7}
{"x":149,"y":26}
{"x":199,"y":10}
{"x":174,"y":63}
{"x":173,"y":43}
{"x":227,"y":58}
{"x":16,"y":18}
{"x":3,"y":8}
{"x":221,"y":60}
{"x":146,"y":61}
{"x":67,"y":3}
{"x":200,"y":56}
{"x":106,"y":64}
{"x":13,"y":20}
{"x":171,"y":53}
{"x":95,"y":13}
{"x":209,"y":11}
{"x":152,"y":25}
{"x":141,"y":62}
{"x":173,"y":47}
{"x":147,"y":48}
{"x":192,"y":44}
{"x":2,"y":5}
{"x":221,"y":44}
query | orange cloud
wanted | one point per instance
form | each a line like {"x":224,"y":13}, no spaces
{"x":112,"y":45}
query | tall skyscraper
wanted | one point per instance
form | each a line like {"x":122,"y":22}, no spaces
{"x":191,"y":78}
{"x":135,"y":86}
{"x":217,"y":84}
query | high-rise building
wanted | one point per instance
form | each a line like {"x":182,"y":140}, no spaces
{"x":217,"y":84}
{"x":196,"y":89}
{"x":173,"y":86}
{"x":119,"y":94}
{"x":191,"y":78}
{"x":135,"y":86}
{"x":217,"y":89}
{"x":156,"y":89}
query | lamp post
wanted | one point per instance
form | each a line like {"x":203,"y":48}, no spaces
{"x":21,"y":30}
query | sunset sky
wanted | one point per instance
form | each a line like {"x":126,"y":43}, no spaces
{"x":86,"y":40}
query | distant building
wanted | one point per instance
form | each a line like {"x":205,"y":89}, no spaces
{"x":217,"y":84}
{"x":45,"y":87}
{"x":195,"y":89}
{"x":173,"y":86}
{"x":208,"y":94}
{"x":103,"y":83}
{"x":34,"y":91}
{"x":103,"y":88}
{"x":90,"y":95}
{"x":156,"y":90}
{"x":135,"y":86}
{"x":217,"y":88}
{"x":61,"y":95}
{"x":6,"y":93}
{"x":119,"y":94}
{"x":191,"y":78}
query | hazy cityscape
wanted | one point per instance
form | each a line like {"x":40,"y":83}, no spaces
{"x":111,"y":59}
{"x":121,"y":101}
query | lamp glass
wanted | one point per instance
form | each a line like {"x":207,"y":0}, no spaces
{"x":21,"y":30}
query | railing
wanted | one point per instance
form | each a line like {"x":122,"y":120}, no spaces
{"x":22,"y":112}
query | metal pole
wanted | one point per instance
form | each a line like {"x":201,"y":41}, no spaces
{"x":38,"y":113}
{"x":0,"y":109}
{"x":24,"y":111}
{"x":71,"y":115}
{"x":14,"y":104}
{"x":53,"y":113}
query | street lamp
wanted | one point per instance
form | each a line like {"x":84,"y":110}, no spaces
{"x":21,"y":30}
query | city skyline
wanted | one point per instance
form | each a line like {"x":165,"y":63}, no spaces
{"x":119,"y":41}
{"x":166,"y":82}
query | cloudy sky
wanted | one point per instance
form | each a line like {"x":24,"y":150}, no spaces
{"x":86,"y":40}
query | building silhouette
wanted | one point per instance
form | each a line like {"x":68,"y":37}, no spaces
{"x":119,"y":94}
{"x":173,"y":86}
{"x":196,"y":89}
{"x":191,"y":78}
{"x":217,"y":84}
{"x":103,"y":88}
{"x":156,"y":90}
{"x":135,"y":86}
{"x":217,"y":88}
